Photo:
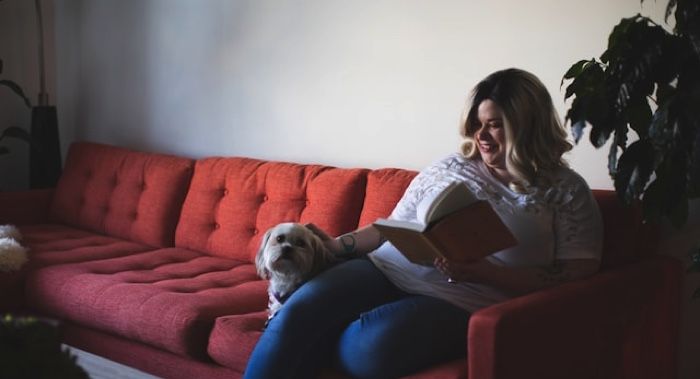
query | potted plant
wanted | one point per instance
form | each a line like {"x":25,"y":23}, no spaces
{"x":647,"y":80}
{"x":31,"y":348}
{"x":45,"y":152}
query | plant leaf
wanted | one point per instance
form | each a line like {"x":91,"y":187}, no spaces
{"x":575,"y":70}
{"x":14,"y":87}
{"x":634,"y":170}
{"x":639,"y":117}
{"x":16,"y":132}
{"x":694,"y":261}
{"x":577,"y":129}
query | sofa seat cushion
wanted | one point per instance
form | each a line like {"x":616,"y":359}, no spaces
{"x":234,"y":337}
{"x":52,"y":244}
{"x":167,"y":298}
{"x":122,"y":193}
{"x":233,"y":201}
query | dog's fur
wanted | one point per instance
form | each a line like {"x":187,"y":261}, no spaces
{"x":10,"y":231}
{"x":289,"y":255}
{"x":12,"y":255}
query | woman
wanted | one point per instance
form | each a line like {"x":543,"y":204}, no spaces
{"x":384,"y":317}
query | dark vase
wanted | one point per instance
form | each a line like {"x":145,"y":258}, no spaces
{"x":45,"y":151}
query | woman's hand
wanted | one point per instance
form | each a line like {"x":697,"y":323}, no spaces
{"x":517,"y":280}
{"x":479,"y":271}
{"x":333,"y":245}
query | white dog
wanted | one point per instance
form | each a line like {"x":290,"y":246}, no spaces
{"x":12,"y":255}
{"x":290,"y":254}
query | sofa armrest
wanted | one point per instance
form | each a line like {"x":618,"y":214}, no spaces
{"x":25,"y":207}
{"x":621,"y":323}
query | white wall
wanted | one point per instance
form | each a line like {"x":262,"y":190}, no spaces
{"x":368,"y":83}
{"x":348,"y":83}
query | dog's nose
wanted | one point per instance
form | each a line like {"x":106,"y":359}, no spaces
{"x":287,"y":250}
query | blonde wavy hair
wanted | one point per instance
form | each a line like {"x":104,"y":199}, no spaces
{"x":535,"y":137}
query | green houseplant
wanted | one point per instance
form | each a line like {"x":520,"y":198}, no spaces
{"x":45,"y":152}
{"x":647,"y":80}
{"x":13,"y":131}
{"x":31,"y":348}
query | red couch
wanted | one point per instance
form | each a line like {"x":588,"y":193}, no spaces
{"x":147,"y":260}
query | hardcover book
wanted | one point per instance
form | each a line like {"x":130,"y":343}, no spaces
{"x":455,"y":225}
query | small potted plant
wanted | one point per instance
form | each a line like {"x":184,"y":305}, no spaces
{"x":31,"y":348}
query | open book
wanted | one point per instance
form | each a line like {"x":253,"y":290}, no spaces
{"x":456,"y":225}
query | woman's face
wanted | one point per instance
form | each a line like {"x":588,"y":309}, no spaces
{"x":491,"y":135}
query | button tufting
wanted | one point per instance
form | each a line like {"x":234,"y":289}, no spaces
{"x":224,"y":192}
{"x":216,"y":225}
{"x":255,"y":231}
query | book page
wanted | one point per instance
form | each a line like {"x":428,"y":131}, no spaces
{"x":455,"y":196}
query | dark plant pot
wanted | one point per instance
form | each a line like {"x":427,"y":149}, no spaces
{"x":45,"y":151}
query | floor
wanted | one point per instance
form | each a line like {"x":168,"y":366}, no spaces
{"x":101,"y":368}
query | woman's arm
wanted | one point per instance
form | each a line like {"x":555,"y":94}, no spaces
{"x":518,"y":280}
{"x":356,"y":243}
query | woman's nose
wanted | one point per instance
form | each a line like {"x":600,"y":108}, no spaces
{"x":482,"y":134}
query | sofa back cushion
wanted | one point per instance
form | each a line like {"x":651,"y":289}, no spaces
{"x":122,"y":193}
{"x":385,"y":187}
{"x":626,"y":237}
{"x":232,"y":202}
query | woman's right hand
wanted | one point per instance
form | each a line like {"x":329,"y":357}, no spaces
{"x":332,"y":244}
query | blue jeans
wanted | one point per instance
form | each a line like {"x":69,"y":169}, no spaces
{"x":353,"y":317}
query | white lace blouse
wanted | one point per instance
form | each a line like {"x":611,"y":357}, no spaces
{"x":559,"y":222}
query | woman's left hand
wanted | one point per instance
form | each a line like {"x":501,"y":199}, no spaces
{"x":478,"y":272}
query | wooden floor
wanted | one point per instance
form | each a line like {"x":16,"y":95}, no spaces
{"x":101,"y":368}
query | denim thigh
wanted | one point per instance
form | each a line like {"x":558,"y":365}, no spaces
{"x":299,"y":340}
{"x":403,"y":337}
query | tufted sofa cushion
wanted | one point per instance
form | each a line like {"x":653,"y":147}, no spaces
{"x":385,"y":187}
{"x":52,"y":244}
{"x":233,"y":201}
{"x":122,"y":193}
{"x":167,"y":298}
{"x":233,"y":338}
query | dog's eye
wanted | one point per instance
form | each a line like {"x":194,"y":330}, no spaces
{"x":280,"y":238}
{"x":300,"y":243}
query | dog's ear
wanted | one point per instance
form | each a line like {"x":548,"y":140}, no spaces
{"x":259,"y":257}
{"x":322,"y":256}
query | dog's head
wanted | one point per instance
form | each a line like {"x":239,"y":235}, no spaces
{"x":291,"y":250}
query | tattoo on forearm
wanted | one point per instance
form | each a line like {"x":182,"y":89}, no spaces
{"x":349,"y":243}
{"x":555,"y":273}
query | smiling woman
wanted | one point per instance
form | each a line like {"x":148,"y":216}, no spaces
{"x":373,"y":316}
{"x":512,"y":118}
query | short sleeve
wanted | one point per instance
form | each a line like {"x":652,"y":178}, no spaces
{"x":578,"y":225}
